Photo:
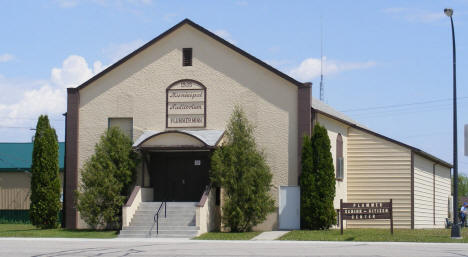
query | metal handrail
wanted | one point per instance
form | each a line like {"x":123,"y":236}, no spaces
{"x":156,"y":216}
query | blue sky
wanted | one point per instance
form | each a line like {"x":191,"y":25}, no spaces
{"x":387,"y":63}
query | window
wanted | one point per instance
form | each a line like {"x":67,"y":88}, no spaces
{"x":339,"y":158}
{"x":187,"y":57}
{"x":125,"y":124}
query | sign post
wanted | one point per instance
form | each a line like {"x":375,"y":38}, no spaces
{"x":366,"y":211}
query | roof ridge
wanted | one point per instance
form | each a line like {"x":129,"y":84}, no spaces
{"x":350,"y":122}
{"x":203,"y":30}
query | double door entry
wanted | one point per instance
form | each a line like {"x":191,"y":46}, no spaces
{"x":179,"y":176}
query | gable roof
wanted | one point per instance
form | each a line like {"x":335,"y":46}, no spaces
{"x":208,"y":33}
{"x":18,"y":156}
{"x":326,"y":110}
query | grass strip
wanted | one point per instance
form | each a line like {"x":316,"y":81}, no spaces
{"x":27,"y":230}
{"x":227,"y":236}
{"x":376,"y":235}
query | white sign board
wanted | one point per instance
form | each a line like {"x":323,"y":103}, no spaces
{"x":186,"y":104}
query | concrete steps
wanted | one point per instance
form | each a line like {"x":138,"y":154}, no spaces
{"x":179,"y":221}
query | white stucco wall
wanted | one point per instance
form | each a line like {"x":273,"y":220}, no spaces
{"x":137,"y":89}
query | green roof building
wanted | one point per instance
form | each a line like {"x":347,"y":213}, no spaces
{"x":15,"y":180}
{"x":18,"y":156}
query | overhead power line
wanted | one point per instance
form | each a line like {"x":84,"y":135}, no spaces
{"x":26,"y":118}
{"x":402,"y":105}
{"x":15,"y":127}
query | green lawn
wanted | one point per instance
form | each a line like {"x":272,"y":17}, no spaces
{"x":27,"y":230}
{"x":377,"y":235}
{"x":227,"y":236}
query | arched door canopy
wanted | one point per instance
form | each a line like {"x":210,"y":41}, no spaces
{"x":179,"y":139}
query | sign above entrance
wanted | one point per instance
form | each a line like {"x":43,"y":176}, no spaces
{"x":186,"y":105}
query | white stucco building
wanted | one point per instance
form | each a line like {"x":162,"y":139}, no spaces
{"x":174,"y":96}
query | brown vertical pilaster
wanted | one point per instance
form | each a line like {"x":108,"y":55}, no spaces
{"x":412,"y":190}
{"x":304,"y":95}
{"x":391,"y":216}
{"x":71,"y":158}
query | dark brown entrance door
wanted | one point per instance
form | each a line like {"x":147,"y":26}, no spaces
{"x":179,"y":176}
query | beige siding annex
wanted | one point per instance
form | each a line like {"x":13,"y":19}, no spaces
{"x":379,"y":170}
{"x":15,"y":190}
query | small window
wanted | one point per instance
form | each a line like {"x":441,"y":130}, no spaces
{"x":125,"y":124}
{"x":339,"y":158}
{"x":187,"y":57}
{"x":339,"y":168}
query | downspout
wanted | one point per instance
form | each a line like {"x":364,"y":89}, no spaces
{"x":412,"y":189}
{"x":64,"y":188}
{"x":433,"y":192}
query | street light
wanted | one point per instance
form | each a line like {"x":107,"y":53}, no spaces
{"x":455,"y":226}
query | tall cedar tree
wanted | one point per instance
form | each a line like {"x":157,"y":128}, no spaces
{"x":106,"y":180}
{"x":240,"y":169}
{"x":317,"y":182}
{"x":45,"y":182}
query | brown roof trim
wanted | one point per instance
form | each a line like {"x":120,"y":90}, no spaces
{"x":203,"y":30}
{"x":412,"y":148}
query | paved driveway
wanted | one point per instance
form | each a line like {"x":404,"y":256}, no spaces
{"x":13,"y":247}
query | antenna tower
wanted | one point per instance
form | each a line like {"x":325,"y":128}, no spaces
{"x":322,"y":93}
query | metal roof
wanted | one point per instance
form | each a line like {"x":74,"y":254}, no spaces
{"x":18,"y":156}
{"x":328,"y":111}
{"x":325,"y":108}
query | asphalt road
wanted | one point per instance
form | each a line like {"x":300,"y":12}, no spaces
{"x":13,"y":247}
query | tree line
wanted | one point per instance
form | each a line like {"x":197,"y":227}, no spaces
{"x":238,"y":166}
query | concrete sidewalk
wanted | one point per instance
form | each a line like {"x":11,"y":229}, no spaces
{"x":20,"y":247}
{"x":270,"y":235}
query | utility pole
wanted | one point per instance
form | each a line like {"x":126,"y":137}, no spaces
{"x":456,"y":233}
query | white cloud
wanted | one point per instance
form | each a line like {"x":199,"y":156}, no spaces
{"x":45,"y":96}
{"x":115,"y":52}
{"x":415,"y":15}
{"x":225,"y":35}
{"x":169,"y":17}
{"x":67,"y":3}
{"x":44,"y":100}
{"x":98,"y":67}
{"x":146,"y":2}
{"x":107,"y":3}
{"x":74,"y":71}
{"x":242,"y":3}
{"x":274,"y":49}
{"x":310,"y":68}
{"x":6,"y":57}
